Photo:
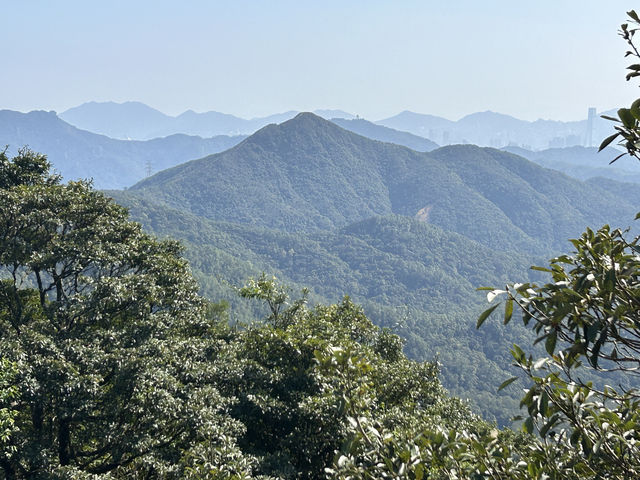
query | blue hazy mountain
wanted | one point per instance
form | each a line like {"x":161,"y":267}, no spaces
{"x":135,"y":120}
{"x":499,"y":130}
{"x":329,"y":114}
{"x":128,"y":120}
{"x":386,"y":134}
{"x":111,"y":163}
{"x":584,"y":163}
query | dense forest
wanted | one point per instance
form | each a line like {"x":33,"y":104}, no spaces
{"x":408,"y":235}
{"x":211,"y":338}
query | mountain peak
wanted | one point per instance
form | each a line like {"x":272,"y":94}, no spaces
{"x":308,"y":117}
{"x":304,"y":125}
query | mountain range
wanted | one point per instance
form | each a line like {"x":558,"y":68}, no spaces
{"x":584,"y":163}
{"x":499,"y":130}
{"x":309,"y":174}
{"x":408,"y":234}
{"x":135,"y":120}
{"x":385,"y":134}
{"x":112,"y":163}
{"x":348,"y":206}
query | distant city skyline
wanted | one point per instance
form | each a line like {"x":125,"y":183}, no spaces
{"x":546,"y":59}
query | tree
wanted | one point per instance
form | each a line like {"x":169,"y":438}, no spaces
{"x":628,"y":128}
{"x":308,"y":375}
{"x":588,"y":318}
{"x":112,"y":347}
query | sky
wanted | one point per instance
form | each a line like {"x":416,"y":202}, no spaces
{"x":547,"y":59}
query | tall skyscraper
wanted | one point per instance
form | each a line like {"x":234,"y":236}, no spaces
{"x":588,"y":138}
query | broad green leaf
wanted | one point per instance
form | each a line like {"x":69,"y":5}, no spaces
{"x":484,"y":315}
{"x":627,"y":119}
{"x":506,"y":383}
{"x":607,"y":141}
{"x":548,"y":425}
{"x":508,"y":310}
{"x":617,"y":158}
{"x":635,"y":106}
{"x":540,"y":269}
{"x":528,"y":425}
{"x":550,"y":344}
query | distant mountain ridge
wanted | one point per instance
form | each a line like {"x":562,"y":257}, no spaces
{"x":498,"y":130}
{"x":112,"y":163}
{"x":135,"y":120}
{"x":386,"y":134}
{"x":584,"y":163}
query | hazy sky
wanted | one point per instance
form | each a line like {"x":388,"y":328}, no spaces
{"x":531,"y":59}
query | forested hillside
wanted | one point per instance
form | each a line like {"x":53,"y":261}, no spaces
{"x":308,"y":173}
{"x":408,"y":235}
{"x":324,"y":297}
{"x":583,"y":163}
{"x":410,"y":276}
{"x":79,"y":154}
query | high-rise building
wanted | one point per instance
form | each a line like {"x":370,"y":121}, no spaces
{"x":588,"y":138}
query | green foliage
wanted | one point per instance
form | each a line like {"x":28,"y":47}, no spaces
{"x":306,"y":373}
{"x":588,"y":312}
{"x":576,"y":424}
{"x":110,"y":342}
{"x":628,"y":128}
{"x":411,"y":277}
{"x":8,"y":411}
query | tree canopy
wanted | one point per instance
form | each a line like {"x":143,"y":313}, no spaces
{"x":103,"y":324}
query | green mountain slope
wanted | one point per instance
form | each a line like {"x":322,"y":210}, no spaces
{"x":411,"y":276}
{"x":308,"y":173}
{"x":409,"y":235}
{"x":547,"y":205}
{"x":111,"y":163}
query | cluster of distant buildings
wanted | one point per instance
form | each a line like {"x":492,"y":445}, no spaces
{"x":585,"y":140}
{"x":536,"y":140}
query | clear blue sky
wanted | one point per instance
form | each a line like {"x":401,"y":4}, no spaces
{"x":530,"y":59}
